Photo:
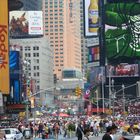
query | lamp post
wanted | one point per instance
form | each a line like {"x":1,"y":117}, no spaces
{"x":123,"y":87}
{"x":26,"y":63}
{"x":110,"y":91}
{"x":103,"y":89}
{"x":113,"y":95}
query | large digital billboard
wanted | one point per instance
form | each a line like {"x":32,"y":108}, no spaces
{"x":14,"y":64}
{"x":97,"y":74}
{"x":93,"y":56}
{"x":122,"y":31}
{"x":4,"y":51}
{"x":122,"y":70}
{"x":25,"y":24}
{"x":91,"y":17}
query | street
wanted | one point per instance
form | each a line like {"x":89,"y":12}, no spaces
{"x":73,"y":138}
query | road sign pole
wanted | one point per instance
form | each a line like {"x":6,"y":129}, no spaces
{"x":27,"y":113}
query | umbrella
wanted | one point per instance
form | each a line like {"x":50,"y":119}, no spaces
{"x":63,"y":115}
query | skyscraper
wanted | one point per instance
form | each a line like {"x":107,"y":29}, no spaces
{"x":62,"y":26}
{"x":32,"y":5}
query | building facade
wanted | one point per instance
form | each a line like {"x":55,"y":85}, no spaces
{"x":39,"y":54}
{"x":31,"y":5}
{"x":62,"y":26}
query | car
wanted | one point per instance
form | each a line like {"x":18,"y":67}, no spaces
{"x":130,"y":138}
{"x":13,"y":134}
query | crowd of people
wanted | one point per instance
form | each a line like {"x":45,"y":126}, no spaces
{"x":82,"y":127}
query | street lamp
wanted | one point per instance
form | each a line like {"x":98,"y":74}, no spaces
{"x":110,"y":91}
{"x":123,"y":87}
{"x":26,"y":63}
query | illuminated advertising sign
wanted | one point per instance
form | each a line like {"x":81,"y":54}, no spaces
{"x":91,"y":17}
{"x":4,"y":52}
{"x":14,"y":64}
{"x":123,"y":70}
{"x":97,"y":74}
{"x":93,"y":56}
{"x":122,"y":31}
{"x":25,"y":24}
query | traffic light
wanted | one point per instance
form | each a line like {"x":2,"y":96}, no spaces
{"x":28,"y":91}
{"x":78,"y":91}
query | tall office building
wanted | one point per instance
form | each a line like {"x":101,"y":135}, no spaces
{"x":39,"y":54}
{"x":85,"y":42}
{"x":32,"y":5}
{"x":62,"y":26}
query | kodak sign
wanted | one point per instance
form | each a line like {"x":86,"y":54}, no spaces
{"x":4,"y":51}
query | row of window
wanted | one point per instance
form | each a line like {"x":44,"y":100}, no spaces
{"x":29,"y":54}
{"x":52,"y":30}
{"x":55,"y":22}
{"x":57,"y":65}
{"x":28,"y":48}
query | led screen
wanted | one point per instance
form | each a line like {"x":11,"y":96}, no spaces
{"x":14,"y":60}
{"x":122,"y":31}
{"x":14,"y":63}
{"x":97,"y":74}
{"x":123,"y":70}
{"x":93,"y":54}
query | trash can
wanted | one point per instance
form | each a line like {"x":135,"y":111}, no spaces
{"x":27,"y":133}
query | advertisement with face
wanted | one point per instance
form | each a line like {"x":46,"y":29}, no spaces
{"x":91,"y":17}
{"x":122,"y":31}
{"x":25,"y":24}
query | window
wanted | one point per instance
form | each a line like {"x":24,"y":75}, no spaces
{"x":37,"y":60}
{"x":35,"y":54}
{"x":37,"y":73}
{"x":35,"y":48}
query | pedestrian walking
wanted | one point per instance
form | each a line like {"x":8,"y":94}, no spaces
{"x":79,"y":132}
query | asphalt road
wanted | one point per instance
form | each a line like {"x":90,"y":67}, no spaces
{"x":75,"y":138}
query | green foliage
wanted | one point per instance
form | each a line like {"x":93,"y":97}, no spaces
{"x":71,"y":127}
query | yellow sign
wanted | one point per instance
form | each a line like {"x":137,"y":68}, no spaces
{"x":32,"y":100}
{"x":4,"y":51}
{"x":21,"y":114}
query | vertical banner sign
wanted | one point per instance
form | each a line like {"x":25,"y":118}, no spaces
{"x":4,"y":52}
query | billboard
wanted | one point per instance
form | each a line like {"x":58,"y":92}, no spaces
{"x":97,"y":74}
{"x":91,"y":17}
{"x":93,"y":55}
{"x":25,"y":24}
{"x":4,"y":52}
{"x":122,"y":31}
{"x":14,"y":65}
{"x":123,"y":70}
